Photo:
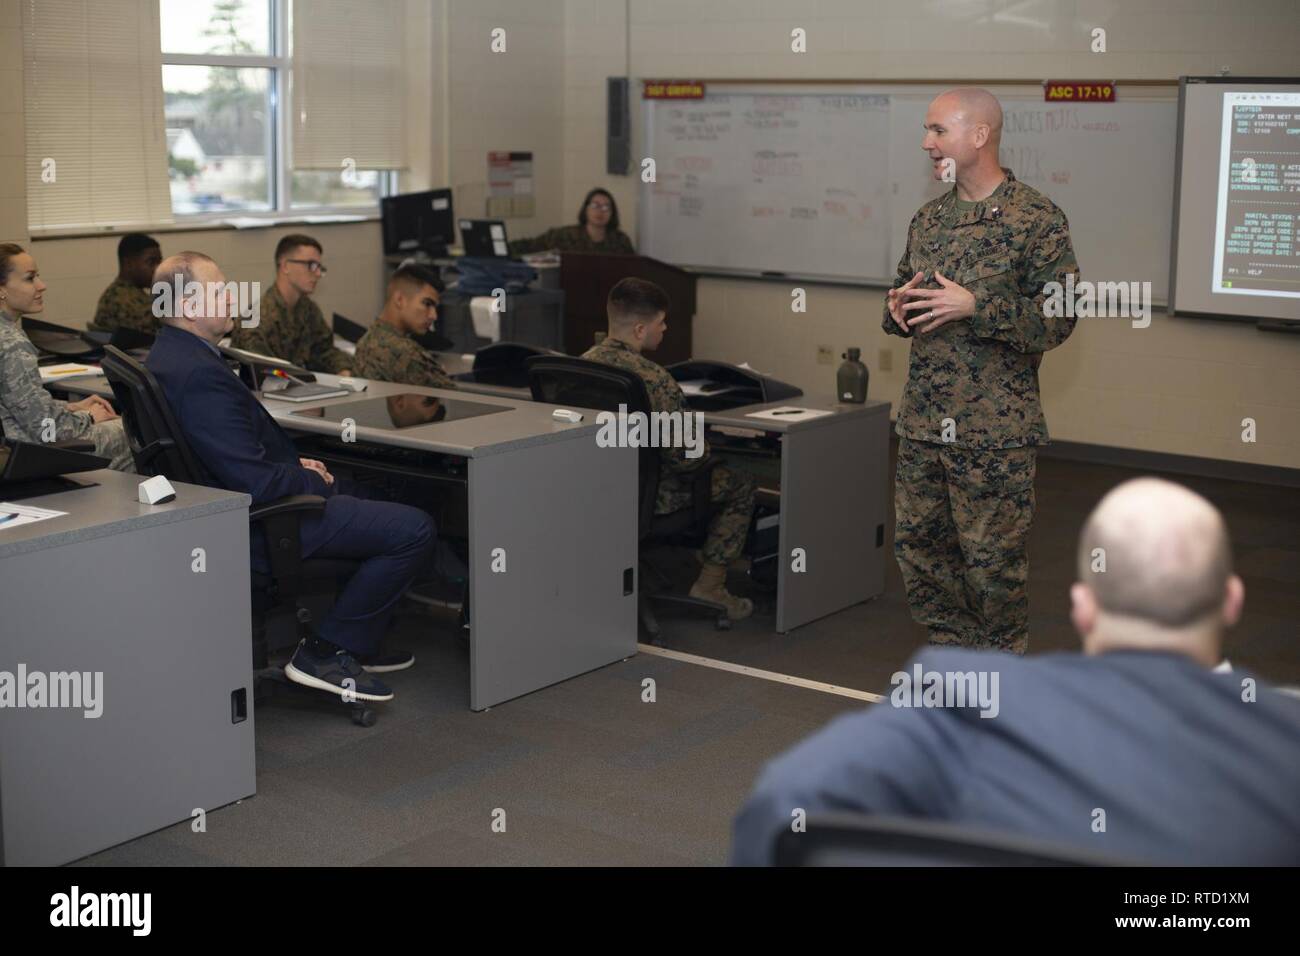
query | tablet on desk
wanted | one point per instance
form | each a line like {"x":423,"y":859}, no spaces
{"x":401,"y":411}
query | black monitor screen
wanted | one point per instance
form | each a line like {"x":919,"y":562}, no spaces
{"x":417,"y":221}
{"x":402,"y":411}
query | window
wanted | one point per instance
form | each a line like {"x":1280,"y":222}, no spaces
{"x":226,"y":91}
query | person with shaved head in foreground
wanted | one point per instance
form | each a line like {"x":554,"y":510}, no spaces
{"x":1137,"y":749}
{"x":970,"y":291}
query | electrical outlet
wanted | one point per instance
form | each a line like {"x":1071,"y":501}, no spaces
{"x":825,"y":355}
{"x":885,"y":360}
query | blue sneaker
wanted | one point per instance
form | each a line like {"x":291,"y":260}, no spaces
{"x":338,"y":673}
{"x":383,"y":663}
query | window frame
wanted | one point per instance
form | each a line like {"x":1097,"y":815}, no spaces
{"x":280,"y":179}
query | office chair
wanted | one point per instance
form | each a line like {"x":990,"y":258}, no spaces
{"x":574,"y":382}
{"x":159,"y":448}
{"x":852,"y":839}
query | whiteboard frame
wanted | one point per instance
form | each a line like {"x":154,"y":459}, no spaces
{"x":1150,"y":90}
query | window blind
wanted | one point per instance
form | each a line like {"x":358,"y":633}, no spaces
{"x":96,"y":139}
{"x":348,"y":90}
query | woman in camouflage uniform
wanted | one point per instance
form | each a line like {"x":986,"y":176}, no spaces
{"x":597,"y":231}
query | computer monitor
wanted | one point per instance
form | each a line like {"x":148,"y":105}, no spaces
{"x":418,"y":221}
{"x":485,"y":238}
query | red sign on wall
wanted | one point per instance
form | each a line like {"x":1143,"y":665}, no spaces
{"x":673,"y":90}
{"x":1071,"y":91}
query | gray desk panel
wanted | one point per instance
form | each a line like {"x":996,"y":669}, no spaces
{"x":565,"y":516}
{"x":833,"y":505}
{"x":110,"y":507}
{"x":172,"y":645}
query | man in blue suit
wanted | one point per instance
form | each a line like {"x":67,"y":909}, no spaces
{"x":241,"y":448}
{"x":1139,"y":749}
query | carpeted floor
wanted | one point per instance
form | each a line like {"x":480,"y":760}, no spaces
{"x":585,"y":772}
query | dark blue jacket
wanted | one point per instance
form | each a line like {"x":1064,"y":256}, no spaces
{"x":238,"y":444}
{"x":1184,"y":769}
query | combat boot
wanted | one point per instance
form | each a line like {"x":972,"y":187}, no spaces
{"x":711,"y":586}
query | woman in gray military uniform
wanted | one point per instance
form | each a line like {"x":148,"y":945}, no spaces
{"x":27,"y":411}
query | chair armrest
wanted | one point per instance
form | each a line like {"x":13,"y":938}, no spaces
{"x":281,"y":521}
{"x":76,"y":444}
{"x":702,"y":492}
{"x":293,"y":504}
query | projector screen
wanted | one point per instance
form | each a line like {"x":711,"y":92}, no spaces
{"x":1236,"y":236}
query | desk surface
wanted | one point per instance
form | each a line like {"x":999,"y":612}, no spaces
{"x":110,"y":507}
{"x":523,"y":424}
{"x":454,"y":363}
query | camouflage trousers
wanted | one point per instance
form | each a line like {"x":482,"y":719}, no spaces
{"x":963,"y":519}
{"x":110,"y":442}
{"x":733,"y":502}
{"x":732,"y":494}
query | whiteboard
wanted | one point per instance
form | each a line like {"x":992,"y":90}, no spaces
{"x":1109,"y":166}
{"x":790,"y":182}
{"x":754,"y":180}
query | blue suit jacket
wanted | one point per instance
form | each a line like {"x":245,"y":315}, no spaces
{"x":238,"y":444}
{"x":1184,"y":770}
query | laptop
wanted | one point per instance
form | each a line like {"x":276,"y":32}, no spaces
{"x":484,"y":238}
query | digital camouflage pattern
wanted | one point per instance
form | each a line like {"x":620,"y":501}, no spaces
{"x":732,"y":491}
{"x":963,"y":522}
{"x":982,"y":372}
{"x":964,"y":489}
{"x":299,"y":335}
{"x":574,"y":239}
{"x":125,"y":306}
{"x":388,"y":355}
{"x":26,"y":406}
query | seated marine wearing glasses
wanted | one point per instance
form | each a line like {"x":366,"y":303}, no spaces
{"x":291,"y":326}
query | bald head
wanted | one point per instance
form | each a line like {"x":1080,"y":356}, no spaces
{"x":963,"y":128}
{"x":1165,"y":553}
{"x":971,"y":107}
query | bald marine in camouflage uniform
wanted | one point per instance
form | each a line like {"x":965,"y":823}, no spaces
{"x":27,"y":411}
{"x":970,"y":293}
{"x":290,"y":325}
{"x":127,"y":303}
{"x":387,"y":353}
{"x":636,"y":322}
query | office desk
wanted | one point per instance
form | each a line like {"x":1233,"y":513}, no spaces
{"x":560,"y":511}
{"x":834,"y":497}
{"x":834,"y":494}
{"x":834,"y":503}
{"x":111,"y":587}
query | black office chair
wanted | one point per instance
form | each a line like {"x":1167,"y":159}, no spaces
{"x":574,"y":382}
{"x":851,"y":839}
{"x":159,"y":448}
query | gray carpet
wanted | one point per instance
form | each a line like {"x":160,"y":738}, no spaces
{"x":589,"y":774}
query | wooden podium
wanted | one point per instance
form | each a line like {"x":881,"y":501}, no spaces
{"x":587,"y":277}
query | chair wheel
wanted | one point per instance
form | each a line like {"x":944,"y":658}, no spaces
{"x":363,"y":716}
{"x":722,"y":624}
